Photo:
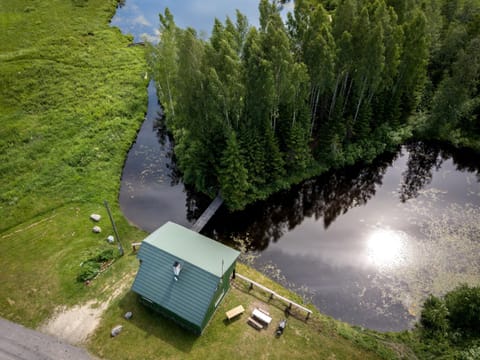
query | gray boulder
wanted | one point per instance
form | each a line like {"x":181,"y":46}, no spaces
{"x":95,"y":217}
{"x":116,"y":330}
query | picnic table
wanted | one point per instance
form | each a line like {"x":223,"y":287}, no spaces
{"x":260,"y":315}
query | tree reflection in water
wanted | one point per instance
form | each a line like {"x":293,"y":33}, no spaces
{"x":327,"y":197}
{"x":421,"y":160}
{"x":424,"y":157}
{"x":465,"y":160}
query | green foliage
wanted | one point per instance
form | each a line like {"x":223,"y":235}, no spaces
{"x":165,"y":70}
{"x":91,"y":267}
{"x":434,"y":317}
{"x":456,"y":101}
{"x":298,"y":156}
{"x":464,"y":309}
{"x":365,"y":340}
{"x":458,"y":311}
{"x":233,"y":175}
{"x":326,"y":89}
{"x":106,"y":255}
{"x":73,"y":95}
{"x":275,"y":161}
{"x":454,"y":74}
{"x":448,"y":326}
{"x":472,"y":353}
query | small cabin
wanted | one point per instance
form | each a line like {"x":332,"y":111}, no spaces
{"x":184,"y":275}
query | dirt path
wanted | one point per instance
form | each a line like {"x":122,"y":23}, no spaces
{"x":76,"y":324}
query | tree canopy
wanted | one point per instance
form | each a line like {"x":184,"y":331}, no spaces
{"x":253,"y":110}
{"x":449,"y":327}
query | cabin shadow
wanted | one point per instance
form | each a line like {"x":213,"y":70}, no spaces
{"x":156,"y":325}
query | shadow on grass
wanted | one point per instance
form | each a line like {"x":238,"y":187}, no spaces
{"x":150,"y":323}
{"x":227,"y":322}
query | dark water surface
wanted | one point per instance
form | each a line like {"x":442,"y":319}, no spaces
{"x":365,"y":244}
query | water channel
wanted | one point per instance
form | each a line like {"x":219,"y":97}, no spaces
{"x":365,"y":244}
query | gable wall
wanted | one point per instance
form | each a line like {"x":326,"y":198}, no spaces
{"x":224,"y":285}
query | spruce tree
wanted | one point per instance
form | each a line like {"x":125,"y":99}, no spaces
{"x":233,"y":176}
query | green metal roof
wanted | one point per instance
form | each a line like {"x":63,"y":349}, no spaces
{"x":201,"y":258}
{"x":193,"y":247}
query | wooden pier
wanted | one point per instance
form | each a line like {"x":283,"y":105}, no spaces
{"x":273,"y":295}
{"x":207,"y":214}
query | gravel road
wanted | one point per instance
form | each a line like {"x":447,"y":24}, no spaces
{"x":20,"y":343}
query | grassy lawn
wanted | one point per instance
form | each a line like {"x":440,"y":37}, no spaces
{"x":151,"y":336}
{"x":73,"y":95}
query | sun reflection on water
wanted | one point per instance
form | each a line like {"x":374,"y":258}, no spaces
{"x":387,"y":248}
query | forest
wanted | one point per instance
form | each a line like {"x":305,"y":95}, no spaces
{"x":253,"y":110}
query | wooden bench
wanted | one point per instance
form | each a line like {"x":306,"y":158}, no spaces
{"x":234,"y":312}
{"x":252,"y":322}
{"x":136,"y":245}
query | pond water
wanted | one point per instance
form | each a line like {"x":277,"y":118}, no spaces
{"x":365,"y":244}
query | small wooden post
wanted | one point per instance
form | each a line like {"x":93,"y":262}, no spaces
{"x":288,"y":309}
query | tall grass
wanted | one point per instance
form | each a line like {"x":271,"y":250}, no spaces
{"x":73,"y":95}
